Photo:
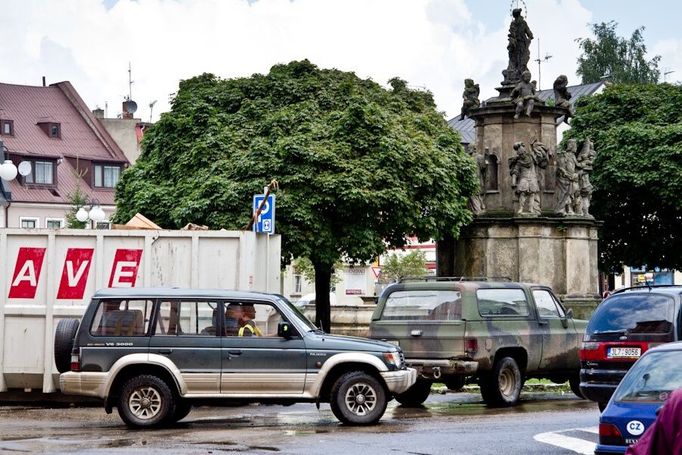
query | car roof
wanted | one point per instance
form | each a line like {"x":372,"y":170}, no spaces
{"x":669,"y":289}
{"x":672,"y":346}
{"x":178,"y":293}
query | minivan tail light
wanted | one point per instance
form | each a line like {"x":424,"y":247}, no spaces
{"x":75,"y":360}
{"x":609,"y":434}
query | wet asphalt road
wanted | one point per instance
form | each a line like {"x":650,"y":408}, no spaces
{"x":455,"y":423}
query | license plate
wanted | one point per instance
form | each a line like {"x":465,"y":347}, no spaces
{"x":624,"y":353}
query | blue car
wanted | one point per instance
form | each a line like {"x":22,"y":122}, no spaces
{"x":634,"y":404}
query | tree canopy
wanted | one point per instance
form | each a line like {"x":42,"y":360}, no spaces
{"x":637,"y":133}
{"x":359,"y":166}
{"x":621,"y":60}
{"x":396,"y":268}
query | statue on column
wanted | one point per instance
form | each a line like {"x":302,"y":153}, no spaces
{"x":566,"y":179}
{"x":518,"y":47}
{"x":477,"y":201}
{"x":523,"y":95}
{"x":562,"y":96}
{"x":584,"y":163}
{"x":523,"y":170}
{"x":470,"y":97}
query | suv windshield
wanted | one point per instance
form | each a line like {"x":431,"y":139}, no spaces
{"x":652,"y":378}
{"x":633,"y":313}
{"x":299,"y":315}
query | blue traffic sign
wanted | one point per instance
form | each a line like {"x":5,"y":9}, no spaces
{"x":266,"y":219}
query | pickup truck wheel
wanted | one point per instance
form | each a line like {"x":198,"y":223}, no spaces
{"x":63,"y":343}
{"x":416,"y":395}
{"x":358,"y":399}
{"x":455,"y":383}
{"x":146,"y":401}
{"x":574,"y":382}
{"x":503,"y":386}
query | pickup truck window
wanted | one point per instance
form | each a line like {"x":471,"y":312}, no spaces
{"x":502,"y":302}
{"x":547,"y":306}
{"x":423,"y":305}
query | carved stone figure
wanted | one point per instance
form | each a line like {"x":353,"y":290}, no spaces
{"x":584,"y":163}
{"x":566,"y":179}
{"x":518,"y":47}
{"x":470,"y":97}
{"x":523,"y":95}
{"x":477,"y":201}
{"x":562,"y":96}
{"x":541,"y":155}
{"x":523,"y":170}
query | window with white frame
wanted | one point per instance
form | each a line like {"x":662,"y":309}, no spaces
{"x":298,"y":284}
{"x":28,"y":222}
{"x":106,"y":176}
{"x":54,"y":223}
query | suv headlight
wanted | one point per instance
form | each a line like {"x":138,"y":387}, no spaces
{"x":393,"y":358}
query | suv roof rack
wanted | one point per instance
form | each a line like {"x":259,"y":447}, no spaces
{"x":454,"y":278}
{"x":644,"y":287}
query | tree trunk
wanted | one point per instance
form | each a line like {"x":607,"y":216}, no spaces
{"x":445,"y":256}
{"x":323,"y":274}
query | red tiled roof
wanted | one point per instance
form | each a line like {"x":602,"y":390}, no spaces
{"x":81,"y":136}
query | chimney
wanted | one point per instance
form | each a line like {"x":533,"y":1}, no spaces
{"x":43,"y":81}
{"x":126,"y":111}
{"x":99,"y":112}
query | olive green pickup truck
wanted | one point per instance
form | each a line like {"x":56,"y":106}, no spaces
{"x":497,"y":333}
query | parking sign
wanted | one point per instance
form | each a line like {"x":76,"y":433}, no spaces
{"x":266,"y":219}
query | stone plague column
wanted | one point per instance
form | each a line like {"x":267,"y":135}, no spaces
{"x":520,"y":230}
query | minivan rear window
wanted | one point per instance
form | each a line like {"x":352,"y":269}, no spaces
{"x":423,"y":305}
{"x":633,"y":313}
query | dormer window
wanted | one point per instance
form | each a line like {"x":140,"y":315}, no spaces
{"x":55,"y":130}
{"x":7,"y":127}
{"x":106,"y":175}
{"x":43,"y":172}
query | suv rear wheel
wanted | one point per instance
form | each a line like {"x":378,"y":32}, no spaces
{"x":146,"y":401}
{"x":415,"y":395}
{"x":503,"y":386}
{"x":358,"y":399}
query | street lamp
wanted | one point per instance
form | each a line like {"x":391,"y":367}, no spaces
{"x":95,"y":213}
{"x":8,"y":171}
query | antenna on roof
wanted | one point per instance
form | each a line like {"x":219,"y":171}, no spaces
{"x":130,"y":82}
{"x":540,"y":61}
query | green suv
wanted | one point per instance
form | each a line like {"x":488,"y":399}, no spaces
{"x":153,"y":353}
{"x":497,"y":333}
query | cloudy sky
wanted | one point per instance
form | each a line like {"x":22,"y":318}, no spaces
{"x":433,"y":44}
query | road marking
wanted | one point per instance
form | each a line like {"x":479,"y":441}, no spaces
{"x":576,"y":445}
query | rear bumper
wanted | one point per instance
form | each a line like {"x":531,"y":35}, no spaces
{"x":608,"y":450}
{"x":601,"y":393}
{"x":427,"y":367}
{"x":599,"y":384}
{"x":86,"y":384}
{"x":399,"y":381}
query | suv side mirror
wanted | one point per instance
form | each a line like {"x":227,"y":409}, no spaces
{"x":285,"y":330}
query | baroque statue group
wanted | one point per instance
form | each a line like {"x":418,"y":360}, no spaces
{"x":529,"y":162}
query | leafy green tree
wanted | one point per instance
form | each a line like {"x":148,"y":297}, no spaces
{"x":77,"y":199}
{"x":359,"y":166}
{"x":396,"y":268}
{"x":637,"y":133}
{"x":622,"y":60}
{"x":304,"y":267}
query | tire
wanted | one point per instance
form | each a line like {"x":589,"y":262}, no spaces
{"x":503,"y":386}
{"x":455,"y":383}
{"x":574,"y":382}
{"x":416,"y":395}
{"x":182,"y":409}
{"x":358,"y":399}
{"x":146,"y":401}
{"x":63,"y":343}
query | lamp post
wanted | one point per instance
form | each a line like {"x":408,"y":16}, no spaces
{"x":95,"y":213}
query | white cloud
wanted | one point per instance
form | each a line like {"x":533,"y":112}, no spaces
{"x":430,"y":43}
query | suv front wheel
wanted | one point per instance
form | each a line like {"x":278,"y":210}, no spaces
{"x":145,"y":401}
{"x":358,"y":399}
{"x":503,"y":386}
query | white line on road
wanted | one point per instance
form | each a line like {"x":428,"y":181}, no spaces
{"x":567,"y":442}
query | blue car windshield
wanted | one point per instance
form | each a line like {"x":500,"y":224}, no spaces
{"x":652,"y":378}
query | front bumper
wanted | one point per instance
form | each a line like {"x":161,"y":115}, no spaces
{"x":399,"y":381}
{"x":86,"y":384}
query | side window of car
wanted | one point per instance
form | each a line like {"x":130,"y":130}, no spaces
{"x":251,"y":319}
{"x":502,"y":302}
{"x":547,"y":306}
{"x":119,"y":318}
{"x":179,"y":317}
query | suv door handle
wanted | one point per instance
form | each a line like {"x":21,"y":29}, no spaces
{"x":234,"y":352}
{"x":165,"y":351}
